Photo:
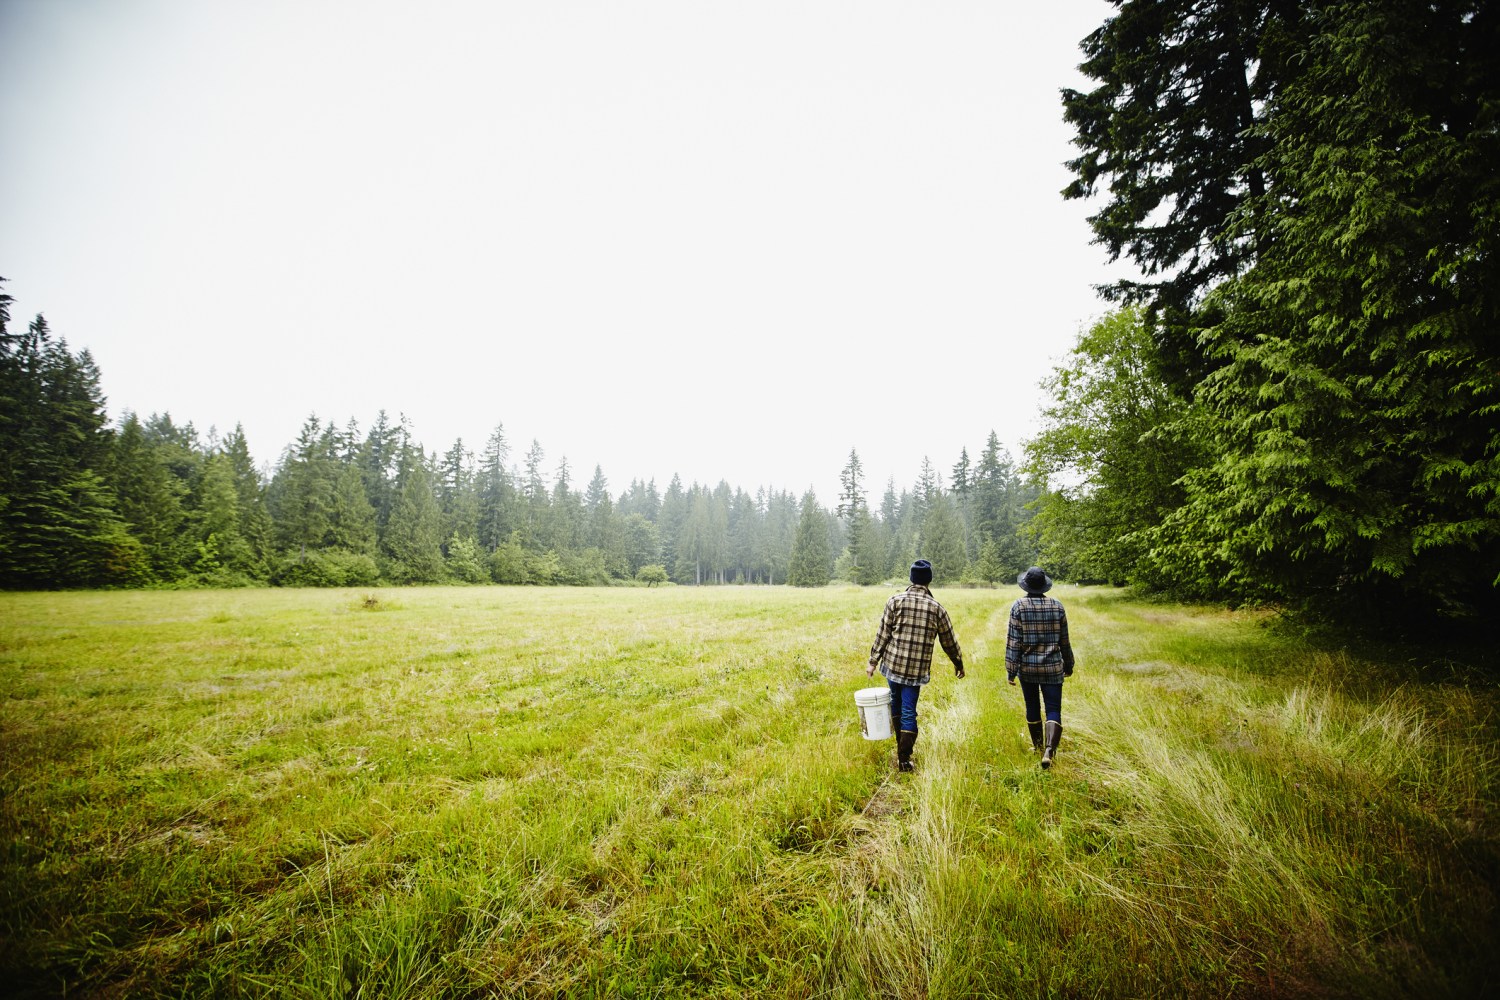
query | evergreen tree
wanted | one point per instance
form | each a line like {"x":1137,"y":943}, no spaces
{"x":351,"y":519}
{"x":149,"y":500}
{"x":962,"y":490}
{"x":59,"y":525}
{"x":223,"y":556}
{"x":255,"y":520}
{"x":1318,"y":181}
{"x":534,"y":488}
{"x":378,"y":460}
{"x":941,"y":541}
{"x":413,"y":538}
{"x":1170,"y":133}
{"x":674,"y":513}
{"x":855,"y":514}
{"x":456,"y":495}
{"x":496,"y":513}
{"x":811,"y":551}
{"x":303,"y":492}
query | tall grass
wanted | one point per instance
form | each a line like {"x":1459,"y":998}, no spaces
{"x":513,"y":792}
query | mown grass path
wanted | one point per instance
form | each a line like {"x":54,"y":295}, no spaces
{"x":520,"y":792}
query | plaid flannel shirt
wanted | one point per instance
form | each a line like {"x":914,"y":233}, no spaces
{"x":1036,"y":644}
{"x":913,"y":619}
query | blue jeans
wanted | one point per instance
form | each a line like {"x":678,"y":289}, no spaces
{"x":1051,"y":695}
{"x":904,"y":704}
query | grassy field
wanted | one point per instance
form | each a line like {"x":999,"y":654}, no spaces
{"x":657,"y":793}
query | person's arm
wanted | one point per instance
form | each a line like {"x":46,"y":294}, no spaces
{"x":1013,"y":641}
{"x":1067,"y":647}
{"x":950,"y":642}
{"x":882,"y":640}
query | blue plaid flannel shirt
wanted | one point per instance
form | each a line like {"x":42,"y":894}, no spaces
{"x":1036,"y":644}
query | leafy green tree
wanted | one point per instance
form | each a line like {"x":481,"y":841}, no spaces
{"x":811,"y":551}
{"x":465,"y":562}
{"x":1112,"y":453}
{"x":642,"y":547}
{"x":507,"y":564}
{"x":651,"y":574}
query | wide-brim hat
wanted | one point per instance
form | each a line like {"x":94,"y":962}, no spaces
{"x":1034,"y":581}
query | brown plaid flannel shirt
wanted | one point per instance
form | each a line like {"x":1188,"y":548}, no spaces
{"x":903,"y":646}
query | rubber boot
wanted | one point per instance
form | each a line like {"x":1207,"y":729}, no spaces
{"x":904,"y":743}
{"x":895,"y":716}
{"x":1035,"y":728}
{"x":1054,"y":733}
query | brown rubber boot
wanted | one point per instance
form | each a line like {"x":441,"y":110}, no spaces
{"x":1035,"y":728}
{"x":1054,"y":733}
{"x":904,"y":743}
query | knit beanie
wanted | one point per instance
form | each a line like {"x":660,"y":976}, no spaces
{"x":921,"y":572}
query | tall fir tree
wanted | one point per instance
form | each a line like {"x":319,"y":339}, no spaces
{"x":811,"y":549}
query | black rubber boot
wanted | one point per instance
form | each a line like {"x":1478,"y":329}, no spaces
{"x":904,"y":742}
{"x":1054,"y":733}
{"x":1035,"y":728}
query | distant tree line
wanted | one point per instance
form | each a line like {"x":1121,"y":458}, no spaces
{"x":150,"y":502}
{"x":1301,"y":403}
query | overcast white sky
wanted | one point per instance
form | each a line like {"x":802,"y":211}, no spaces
{"x":727,"y":240}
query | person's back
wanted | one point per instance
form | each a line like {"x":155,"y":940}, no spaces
{"x":912,"y":621}
{"x":1038,"y":651}
{"x":1040,"y":626}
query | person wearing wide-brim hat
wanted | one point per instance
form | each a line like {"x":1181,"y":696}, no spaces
{"x":1038,"y":652}
{"x":912,"y":621}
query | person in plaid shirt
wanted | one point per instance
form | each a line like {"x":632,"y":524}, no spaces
{"x":913,"y":619}
{"x":1037,"y":649}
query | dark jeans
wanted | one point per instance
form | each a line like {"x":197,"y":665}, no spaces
{"x":1051,"y":694}
{"x":904,"y":704}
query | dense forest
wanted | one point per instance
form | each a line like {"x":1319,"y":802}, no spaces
{"x":1299,"y":401}
{"x":151,"y":503}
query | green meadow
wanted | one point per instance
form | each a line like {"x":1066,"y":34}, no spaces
{"x":516,"y":792}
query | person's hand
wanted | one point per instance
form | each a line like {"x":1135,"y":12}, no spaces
{"x":870,"y":670}
{"x":1011,"y":681}
{"x":958,"y":671}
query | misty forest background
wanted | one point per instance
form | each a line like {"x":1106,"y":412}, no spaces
{"x":1297,"y":402}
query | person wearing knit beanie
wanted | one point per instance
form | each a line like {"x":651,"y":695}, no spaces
{"x":912,"y":622}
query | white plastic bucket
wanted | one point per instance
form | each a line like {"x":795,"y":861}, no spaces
{"x":874,"y":706}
